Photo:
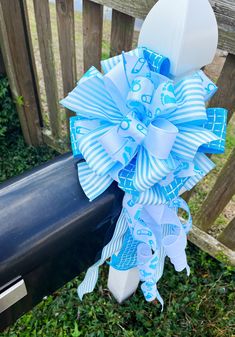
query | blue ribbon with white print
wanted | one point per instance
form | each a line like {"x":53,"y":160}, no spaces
{"x":136,"y":125}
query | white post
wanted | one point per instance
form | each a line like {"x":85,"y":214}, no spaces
{"x":186,"y":32}
{"x":122,"y":284}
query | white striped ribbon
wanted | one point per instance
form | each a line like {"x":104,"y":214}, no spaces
{"x":113,"y":247}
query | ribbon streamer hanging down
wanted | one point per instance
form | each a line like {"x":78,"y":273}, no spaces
{"x":137,"y":126}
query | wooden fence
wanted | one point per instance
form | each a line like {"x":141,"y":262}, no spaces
{"x":22,"y":69}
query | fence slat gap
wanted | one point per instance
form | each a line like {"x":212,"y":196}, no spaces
{"x":43,"y":23}
{"x":121,"y":33}
{"x":17,"y":56}
{"x":66,"y":33}
{"x":92,"y":34}
{"x":219,"y":196}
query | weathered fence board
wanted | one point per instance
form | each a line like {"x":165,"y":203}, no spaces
{"x":224,"y":10}
{"x":17,"y":58}
{"x":35,"y":73}
{"x":219,"y":196}
{"x":66,"y":33}
{"x":137,"y":9}
{"x":121,"y":33}
{"x":92,"y":34}
{"x":211,"y":246}
{"x":225,"y":96}
{"x":225,"y":14}
{"x":43,"y":23}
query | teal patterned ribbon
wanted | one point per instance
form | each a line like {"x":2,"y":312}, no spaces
{"x":136,"y":125}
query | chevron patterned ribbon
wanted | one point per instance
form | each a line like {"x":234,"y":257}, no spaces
{"x":136,"y":125}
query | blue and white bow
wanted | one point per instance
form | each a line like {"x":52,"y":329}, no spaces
{"x":148,"y":132}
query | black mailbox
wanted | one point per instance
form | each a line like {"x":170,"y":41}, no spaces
{"x":49,"y":233}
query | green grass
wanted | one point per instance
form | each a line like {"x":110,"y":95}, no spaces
{"x":200,"y":306}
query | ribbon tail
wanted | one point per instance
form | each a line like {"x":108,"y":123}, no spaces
{"x":188,"y":270}
{"x":160,"y":299}
{"x":120,"y":261}
{"x":149,"y":286}
{"x":89,"y":282}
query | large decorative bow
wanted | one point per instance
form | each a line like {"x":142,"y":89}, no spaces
{"x":148,"y":132}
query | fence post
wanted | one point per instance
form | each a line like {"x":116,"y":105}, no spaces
{"x":15,"y":46}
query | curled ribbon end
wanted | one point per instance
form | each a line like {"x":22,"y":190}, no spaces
{"x":188,"y":270}
{"x":160,"y":299}
{"x":80,"y":295}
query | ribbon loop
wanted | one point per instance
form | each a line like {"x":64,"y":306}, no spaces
{"x":157,"y":63}
{"x":132,"y":127}
{"x":141,"y":92}
{"x":164,"y":100}
{"x":120,"y":149}
{"x":160,"y":131}
{"x":175,"y":246}
{"x":135,"y":67}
